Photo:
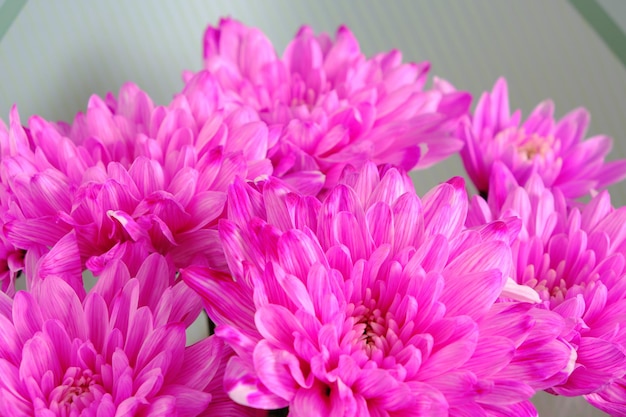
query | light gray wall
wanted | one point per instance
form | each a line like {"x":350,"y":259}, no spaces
{"x":58,"y":53}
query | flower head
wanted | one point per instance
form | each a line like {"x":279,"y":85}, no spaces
{"x":129,"y":171}
{"x":574,"y":258}
{"x":335,"y":105}
{"x":374,"y":302}
{"x":117,"y":350}
{"x":555,"y":150}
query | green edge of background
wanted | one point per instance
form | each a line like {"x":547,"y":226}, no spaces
{"x":8,"y":12}
{"x":612,"y":35}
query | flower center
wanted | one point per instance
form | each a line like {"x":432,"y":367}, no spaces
{"x":302,"y":94}
{"x":371,"y":327}
{"x":554,"y":289}
{"x":79,"y":388}
{"x":528,"y":146}
{"x":374,"y":326}
{"x":535,"y":145}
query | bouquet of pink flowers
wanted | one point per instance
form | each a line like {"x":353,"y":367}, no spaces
{"x":272,"y":193}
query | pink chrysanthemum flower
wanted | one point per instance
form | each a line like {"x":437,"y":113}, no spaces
{"x":129,"y":171}
{"x":336,"y":105}
{"x":373,"y":302}
{"x":574,"y":258}
{"x":118,"y":350}
{"x":555,"y":150}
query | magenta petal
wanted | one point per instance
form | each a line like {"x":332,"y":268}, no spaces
{"x":507,"y":392}
{"x":445,"y":208}
{"x":391,"y":186}
{"x":306,"y":182}
{"x":123,"y":376}
{"x":111,"y":280}
{"x":273,"y":374}
{"x":458,"y":349}
{"x":205,"y":207}
{"x":129,"y":406}
{"x":582,"y":382}
{"x":168,"y":338}
{"x":155,"y":264}
{"x":294,"y":289}
{"x":244,"y":387}
{"x":50,"y":193}
{"x":521,"y":409}
{"x":189,"y":402}
{"x":39,"y":357}
{"x":408,"y":221}
{"x":58,"y":300}
{"x":492,"y":354}
{"x":6,"y":305}
{"x":610,"y":399}
{"x":298,"y":252}
{"x":129,"y":224}
{"x":166,"y":405}
{"x":199,"y":247}
{"x":64,"y":261}
{"x":182,"y":304}
{"x":148,"y":383}
{"x":475,"y":299}
{"x":61,"y":342}
{"x":212,"y":287}
{"x":12,"y":390}
{"x":600,"y":354}
{"x":125,"y":306}
{"x":97,"y":315}
{"x":28,"y":233}
{"x":380,"y":223}
{"x":277,"y":325}
{"x":148,"y":175}
{"x":139,"y":328}
{"x":306,"y":401}
{"x":458,"y":386}
{"x":378,"y":384}
{"x":275,"y":199}
{"x":572,"y":308}
{"x":612,"y":172}
{"x":10,"y":343}
{"x":27,"y":316}
{"x":201,"y":363}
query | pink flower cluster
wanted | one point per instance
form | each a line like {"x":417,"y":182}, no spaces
{"x":272,"y":193}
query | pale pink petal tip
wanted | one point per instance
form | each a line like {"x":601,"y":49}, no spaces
{"x":518,"y":292}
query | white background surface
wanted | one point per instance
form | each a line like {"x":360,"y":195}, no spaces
{"x":56,"y":54}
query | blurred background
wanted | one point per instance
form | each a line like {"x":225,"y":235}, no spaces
{"x":54,"y":55}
